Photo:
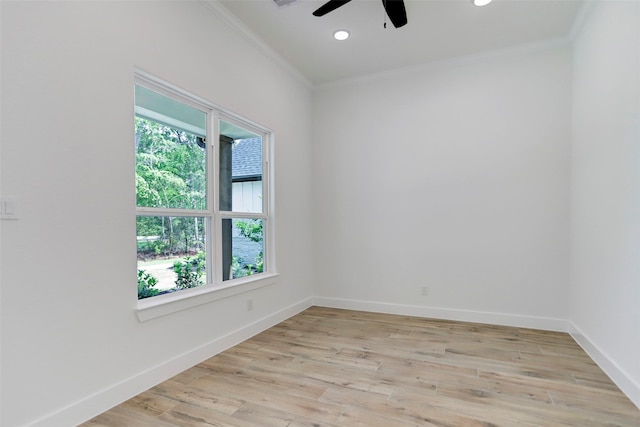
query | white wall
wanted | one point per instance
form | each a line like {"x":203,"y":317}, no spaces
{"x":605,"y":203}
{"x":462,"y":175}
{"x":70,"y":337}
{"x":464,"y":170}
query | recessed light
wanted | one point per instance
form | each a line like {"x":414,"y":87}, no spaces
{"x":341,"y":34}
{"x":481,"y":2}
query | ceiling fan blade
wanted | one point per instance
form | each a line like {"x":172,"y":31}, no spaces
{"x":329,"y":6}
{"x":396,"y":12}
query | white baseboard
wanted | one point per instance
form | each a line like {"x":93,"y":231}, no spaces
{"x":99,"y":402}
{"x":516,"y":320}
{"x":611,"y":368}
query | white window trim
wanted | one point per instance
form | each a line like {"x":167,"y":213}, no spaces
{"x":161,"y":305}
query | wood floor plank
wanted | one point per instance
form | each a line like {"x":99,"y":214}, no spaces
{"x":330,"y":367}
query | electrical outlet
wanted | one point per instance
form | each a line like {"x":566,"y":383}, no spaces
{"x":249,"y":304}
{"x":424,"y":290}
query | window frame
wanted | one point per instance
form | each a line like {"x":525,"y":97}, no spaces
{"x":215,"y":288}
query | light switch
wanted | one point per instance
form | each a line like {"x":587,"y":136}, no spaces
{"x":8,"y":208}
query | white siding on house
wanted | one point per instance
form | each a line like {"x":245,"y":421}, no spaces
{"x":247,"y":196}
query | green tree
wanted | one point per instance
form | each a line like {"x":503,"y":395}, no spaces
{"x":170,"y":167}
{"x":251,"y":229}
{"x":170,"y":173}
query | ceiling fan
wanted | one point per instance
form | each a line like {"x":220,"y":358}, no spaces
{"x":395,"y":10}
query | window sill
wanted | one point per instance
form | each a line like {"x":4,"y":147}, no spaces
{"x":161,"y":305}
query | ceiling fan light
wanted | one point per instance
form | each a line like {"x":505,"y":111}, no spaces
{"x":341,"y":35}
{"x":481,"y":2}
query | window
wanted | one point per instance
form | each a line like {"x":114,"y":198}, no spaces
{"x":202,"y":210}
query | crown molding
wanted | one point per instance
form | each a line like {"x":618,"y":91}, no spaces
{"x":240,"y":28}
{"x":490,"y":55}
{"x":581,"y":18}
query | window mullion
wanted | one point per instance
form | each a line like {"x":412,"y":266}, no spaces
{"x":215,"y":242}
{"x":267,"y":203}
{"x":266,"y":173}
{"x":243,"y":215}
{"x":143,"y":211}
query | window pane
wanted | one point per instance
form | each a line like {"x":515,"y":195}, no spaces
{"x":242,"y":247}
{"x":240,"y":169}
{"x":171,"y":154}
{"x":171,"y":254}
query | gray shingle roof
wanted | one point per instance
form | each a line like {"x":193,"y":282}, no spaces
{"x":247,"y":160}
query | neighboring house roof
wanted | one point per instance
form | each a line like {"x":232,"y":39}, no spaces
{"x":247,"y":160}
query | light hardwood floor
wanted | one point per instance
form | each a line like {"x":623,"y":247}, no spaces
{"x":327,"y":367}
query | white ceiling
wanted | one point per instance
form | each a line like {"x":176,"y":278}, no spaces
{"x":437,"y":30}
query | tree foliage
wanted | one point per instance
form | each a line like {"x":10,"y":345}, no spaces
{"x":170,"y":173}
{"x":190,"y":271}
{"x":170,"y":167}
{"x":251,"y":229}
{"x":146,"y":285}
